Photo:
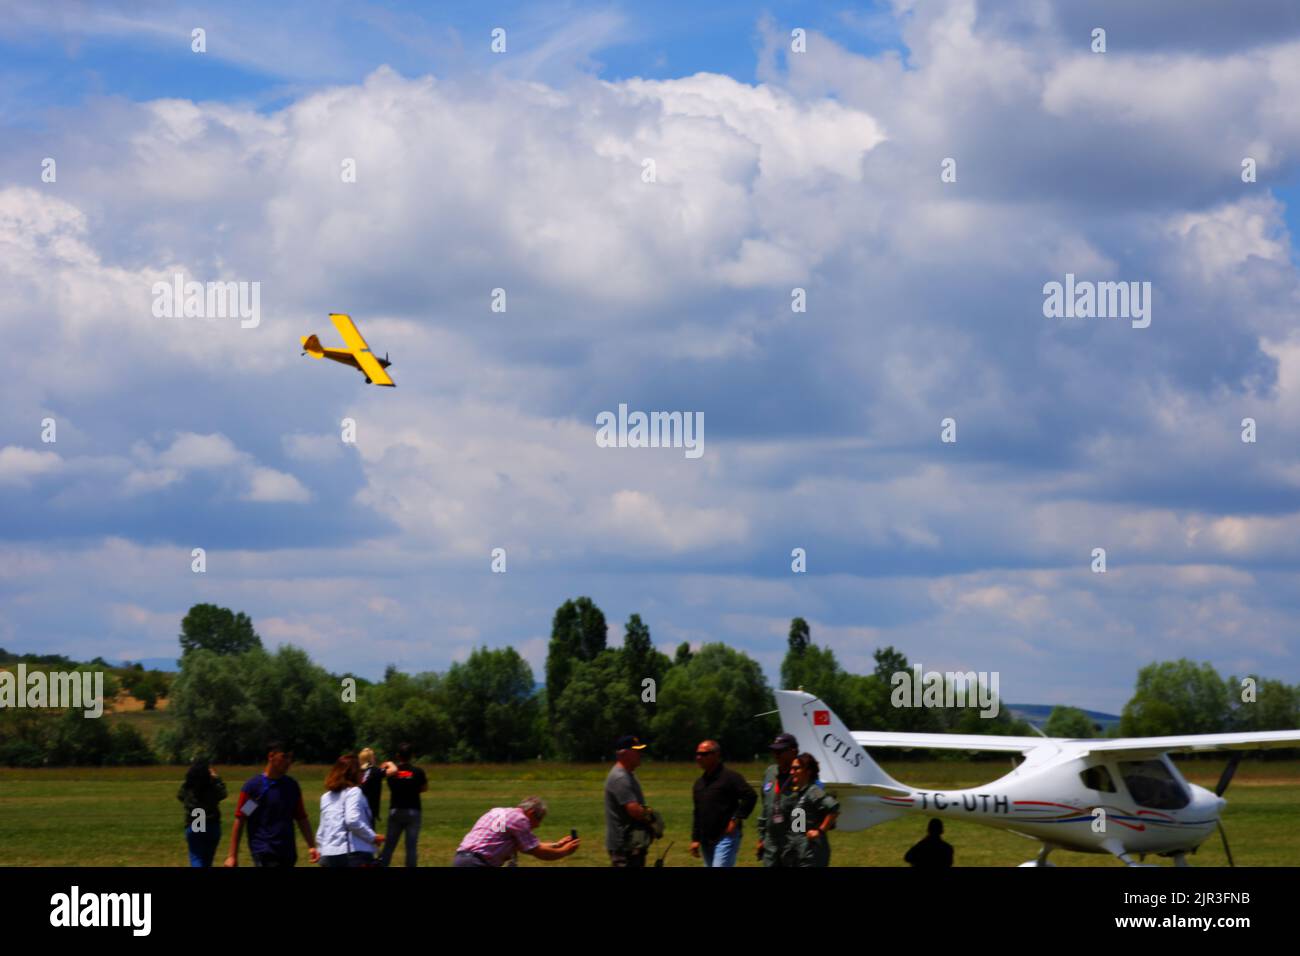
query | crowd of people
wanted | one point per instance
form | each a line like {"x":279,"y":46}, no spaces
{"x":794,"y":822}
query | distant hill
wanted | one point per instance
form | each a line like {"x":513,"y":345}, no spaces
{"x":167,"y":664}
{"x":1037,"y":714}
{"x":153,"y":664}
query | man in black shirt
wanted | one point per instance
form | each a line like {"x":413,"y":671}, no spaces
{"x":932,"y":852}
{"x":405,"y":784}
{"x":722,"y":800}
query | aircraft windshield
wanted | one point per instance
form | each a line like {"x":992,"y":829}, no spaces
{"x":1097,"y":778}
{"x":1151,"y":784}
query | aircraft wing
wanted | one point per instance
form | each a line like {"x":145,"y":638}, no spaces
{"x":906,"y":741}
{"x":359,"y":349}
{"x":1189,"y":743}
{"x":374,"y":371}
{"x":348,"y":330}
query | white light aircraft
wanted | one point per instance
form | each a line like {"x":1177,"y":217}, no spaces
{"x":1121,"y":796}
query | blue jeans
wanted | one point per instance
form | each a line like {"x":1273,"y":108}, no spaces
{"x":203,"y":846}
{"x":402,"y":823}
{"x":722,"y":853}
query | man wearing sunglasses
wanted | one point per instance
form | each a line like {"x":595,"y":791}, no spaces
{"x":722,"y":800}
{"x":775,"y":781}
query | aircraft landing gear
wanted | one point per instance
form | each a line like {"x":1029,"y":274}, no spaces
{"x":1041,"y":859}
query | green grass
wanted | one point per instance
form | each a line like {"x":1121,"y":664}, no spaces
{"x":130,"y":816}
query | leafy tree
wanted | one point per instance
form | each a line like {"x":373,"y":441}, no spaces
{"x":128,"y":748}
{"x":1069,"y":722}
{"x":212,"y":711}
{"x":228,"y":705}
{"x":597,"y":706}
{"x":577,"y":634}
{"x":860,"y":701}
{"x":405,"y":708}
{"x":303,"y":704}
{"x":889,"y":662}
{"x":21,"y":752}
{"x":815,"y":669}
{"x":1276,"y":706}
{"x":639,"y":651}
{"x":146,"y":686}
{"x":641,"y":661}
{"x":217,"y":629}
{"x":800,"y":636}
{"x":716,"y":694}
{"x":683,"y":655}
{"x":492,"y":706}
{"x":1177,"y":697}
{"x":78,"y":740}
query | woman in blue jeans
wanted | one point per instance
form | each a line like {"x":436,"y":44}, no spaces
{"x":201,"y":794}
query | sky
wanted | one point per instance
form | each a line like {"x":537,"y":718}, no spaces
{"x":774,"y":170}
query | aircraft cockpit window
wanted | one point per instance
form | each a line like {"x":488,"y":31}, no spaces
{"x":1151,"y":785}
{"x":1098,"y":778}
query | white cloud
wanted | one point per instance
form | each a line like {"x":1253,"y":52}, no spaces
{"x":267,"y":484}
{"x":924,"y":301}
{"x":189,"y":451}
{"x":18,"y":466}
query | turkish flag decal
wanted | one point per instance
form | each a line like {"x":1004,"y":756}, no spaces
{"x":821,"y":718}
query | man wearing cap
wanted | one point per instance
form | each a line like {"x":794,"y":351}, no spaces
{"x":775,"y":781}
{"x":625,"y":807}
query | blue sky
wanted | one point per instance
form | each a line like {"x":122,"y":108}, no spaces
{"x":775,"y":170}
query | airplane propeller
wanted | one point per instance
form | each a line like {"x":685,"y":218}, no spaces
{"x":1224,"y":835}
{"x":1224,"y":779}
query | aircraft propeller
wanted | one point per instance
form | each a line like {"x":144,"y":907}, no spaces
{"x":1224,"y":779}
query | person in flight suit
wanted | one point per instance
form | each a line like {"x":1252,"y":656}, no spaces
{"x":776,"y":779}
{"x":806,"y":812}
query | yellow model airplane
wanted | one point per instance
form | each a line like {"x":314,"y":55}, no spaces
{"x":357,"y":354}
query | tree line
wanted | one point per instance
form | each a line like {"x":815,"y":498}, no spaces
{"x":231,"y":695}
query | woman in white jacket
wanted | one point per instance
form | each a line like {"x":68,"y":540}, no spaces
{"x":346,"y":835}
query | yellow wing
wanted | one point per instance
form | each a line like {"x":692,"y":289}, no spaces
{"x":360,"y":350}
{"x":374,"y":371}
{"x":349,"y":332}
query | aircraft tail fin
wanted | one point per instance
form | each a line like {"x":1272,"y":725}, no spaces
{"x":311,"y":345}
{"x":821,"y":733}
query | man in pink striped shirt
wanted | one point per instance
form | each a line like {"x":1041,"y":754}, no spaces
{"x":503,"y":832}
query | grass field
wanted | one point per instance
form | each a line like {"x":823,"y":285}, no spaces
{"x":130,"y":816}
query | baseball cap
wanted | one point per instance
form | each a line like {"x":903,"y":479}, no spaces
{"x":784,"y":742}
{"x":629,"y":742}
